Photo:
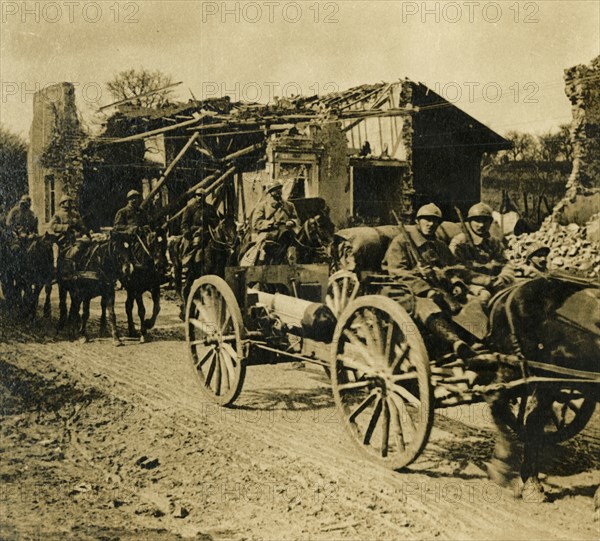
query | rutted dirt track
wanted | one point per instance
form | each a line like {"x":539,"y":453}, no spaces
{"x":100,"y":442}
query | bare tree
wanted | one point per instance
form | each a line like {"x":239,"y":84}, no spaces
{"x":137,"y":84}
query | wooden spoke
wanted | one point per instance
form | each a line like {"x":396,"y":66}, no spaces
{"x":407,"y":395}
{"x":399,"y":356}
{"x":353,"y":385}
{"x":403,"y":414}
{"x":364,"y":405}
{"x":385,"y":429}
{"x":211,"y":370}
{"x":205,"y":357}
{"x":406,"y":376}
{"x":373,"y":422}
{"x":398,"y":435}
{"x":352,"y":364}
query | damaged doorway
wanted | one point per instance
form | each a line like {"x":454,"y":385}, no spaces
{"x":376,"y":191}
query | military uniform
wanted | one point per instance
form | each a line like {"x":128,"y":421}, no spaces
{"x":198,"y":216}
{"x":66,"y":221}
{"x":22,"y":221}
{"x":130,"y":216}
{"x":485,"y":255}
{"x":268,"y":217}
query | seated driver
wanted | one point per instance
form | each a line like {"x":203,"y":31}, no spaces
{"x":421,"y":261}
{"x":273,"y":216}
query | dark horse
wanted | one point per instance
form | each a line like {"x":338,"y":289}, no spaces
{"x":148,"y":251}
{"x":92,"y":273}
{"x":218,"y":250}
{"x":28,"y":267}
{"x":553,"y":322}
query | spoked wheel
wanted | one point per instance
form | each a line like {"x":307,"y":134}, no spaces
{"x":570,"y":412}
{"x":342,"y":289}
{"x":214,"y":334}
{"x":381,"y":381}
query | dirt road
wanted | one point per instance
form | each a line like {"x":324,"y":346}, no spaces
{"x":100,"y":442}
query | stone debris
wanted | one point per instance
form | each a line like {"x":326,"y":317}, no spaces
{"x":574,"y":249}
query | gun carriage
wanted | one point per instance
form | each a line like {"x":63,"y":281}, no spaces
{"x":386,"y":377}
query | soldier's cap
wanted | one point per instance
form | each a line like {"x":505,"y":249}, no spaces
{"x":66,"y":199}
{"x":480,"y":210}
{"x":200,"y":192}
{"x":430,"y":210}
{"x":133,"y":193}
{"x":25,"y":199}
{"x":537,"y":248}
{"x":274,"y":186}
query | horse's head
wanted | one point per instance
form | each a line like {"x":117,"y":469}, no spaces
{"x":121,"y":252}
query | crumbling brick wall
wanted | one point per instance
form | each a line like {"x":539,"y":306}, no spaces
{"x":582,"y":198}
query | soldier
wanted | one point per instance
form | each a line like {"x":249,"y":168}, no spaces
{"x":272,"y":218}
{"x":132,"y":215}
{"x":420,"y":260}
{"x":21,"y":220}
{"x":198,"y":217}
{"x":69,"y":229}
{"x":536,"y":261}
{"x":479,"y":251}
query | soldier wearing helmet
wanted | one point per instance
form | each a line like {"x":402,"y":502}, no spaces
{"x":70,"y":231}
{"x":198,"y":216}
{"x":273,"y":213}
{"x":536,"y":261}
{"x":132,"y":215}
{"x":66,"y":223}
{"x":21,"y":220}
{"x":479,"y":251}
{"x":421,"y":259}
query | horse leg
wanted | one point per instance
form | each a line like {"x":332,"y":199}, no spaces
{"x":112,"y":318}
{"x":541,"y":403}
{"x":47,"y":300}
{"x":103,"y":323}
{"x":85,"y":315}
{"x":73,"y":320}
{"x":62,"y":306}
{"x":131,"y":332}
{"x":139,"y":299}
{"x":155,"y":292}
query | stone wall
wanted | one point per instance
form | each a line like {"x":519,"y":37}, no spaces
{"x":51,"y":107}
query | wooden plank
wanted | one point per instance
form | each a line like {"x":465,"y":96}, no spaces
{"x":168,"y":170}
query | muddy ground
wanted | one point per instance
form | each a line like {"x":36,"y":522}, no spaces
{"x":99,"y":442}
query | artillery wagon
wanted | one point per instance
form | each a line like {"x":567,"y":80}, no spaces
{"x":385,"y":380}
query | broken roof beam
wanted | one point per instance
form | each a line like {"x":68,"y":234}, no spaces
{"x":242,"y":152}
{"x":168,"y":170}
{"x":133,"y":98}
{"x":366,"y":113}
{"x":362,"y":98}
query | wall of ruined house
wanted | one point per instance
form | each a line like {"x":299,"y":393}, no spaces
{"x":53,"y":106}
{"x":582,"y":198}
{"x":334,"y":179}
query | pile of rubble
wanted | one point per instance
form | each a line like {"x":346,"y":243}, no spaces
{"x":573,"y":249}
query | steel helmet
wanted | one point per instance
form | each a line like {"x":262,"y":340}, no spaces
{"x":430,"y":211}
{"x":480,"y":210}
{"x":65,"y":199}
{"x":275,"y":185}
{"x":133,"y":193}
{"x":25,"y":199}
{"x":537,"y":248}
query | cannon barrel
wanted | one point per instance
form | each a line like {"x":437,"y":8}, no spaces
{"x":316,"y":320}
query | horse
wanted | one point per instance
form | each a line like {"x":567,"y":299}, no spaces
{"x":315,"y":239}
{"x":92,"y":273}
{"x":220,"y":249}
{"x":29,"y":268}
{"x":148,"y":252}
{"x":552,"y":321}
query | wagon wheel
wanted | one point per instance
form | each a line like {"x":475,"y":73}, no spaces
{"x":342,"y":289}
{"x":214,"y":334}
{"x":381,"y":381}
{"x":570,"y":412}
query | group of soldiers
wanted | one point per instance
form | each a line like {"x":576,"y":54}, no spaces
{"x":442,"y":277}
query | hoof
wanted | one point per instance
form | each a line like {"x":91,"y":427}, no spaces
{"x":117,"y":343}
{"x":83,"y":340}
{"x":132,"y":334}
{"x":533,"y":491}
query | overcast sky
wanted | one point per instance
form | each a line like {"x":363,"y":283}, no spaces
{"x":502,"y":62}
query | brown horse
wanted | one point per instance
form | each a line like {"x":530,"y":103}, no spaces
{"x":93,"y":273}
